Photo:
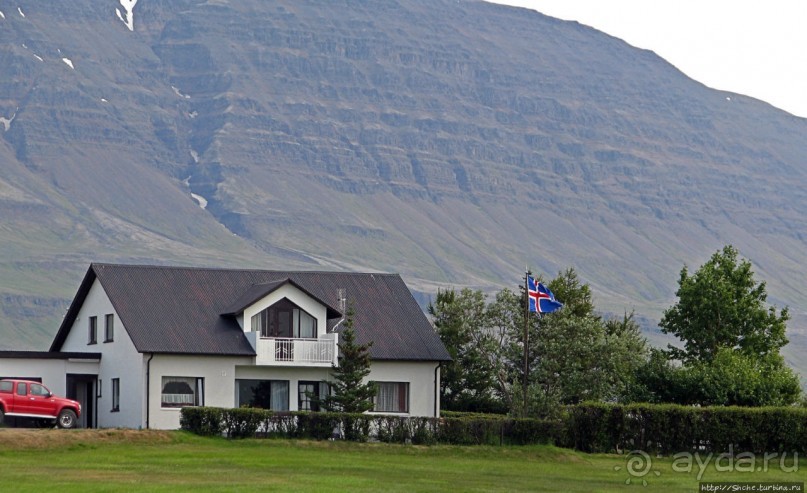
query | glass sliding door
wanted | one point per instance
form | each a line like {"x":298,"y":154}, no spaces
{"x":265,"y":394}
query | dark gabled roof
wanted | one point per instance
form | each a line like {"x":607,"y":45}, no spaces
{"x":258,"y":291}
{"x":178,"y":310}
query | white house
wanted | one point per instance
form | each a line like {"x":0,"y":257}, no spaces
{"x":138,"y":343}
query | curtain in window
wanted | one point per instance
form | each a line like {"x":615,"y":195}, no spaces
{"x":260,"y":323}
{"x":179,"y":391}
{"x":308,"y":325}
{"x":392,"y":397}
{"x":280,"y":395}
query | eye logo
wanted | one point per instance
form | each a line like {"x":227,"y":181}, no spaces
{"x":638,"y":464}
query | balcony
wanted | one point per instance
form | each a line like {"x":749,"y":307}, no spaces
{"x":320,"y":352}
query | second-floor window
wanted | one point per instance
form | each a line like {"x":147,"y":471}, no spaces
{"x":109,"y":328}
{"x":285,"y":319}
{"x":93,"y":331}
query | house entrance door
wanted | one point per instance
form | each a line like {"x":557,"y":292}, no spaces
{"x":82,"y":388}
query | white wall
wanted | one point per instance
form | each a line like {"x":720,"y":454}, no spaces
{"x":219,"y":383}
{"x":119,"y":359}
{"x":299,"y":298}
{"x":420,"y":376}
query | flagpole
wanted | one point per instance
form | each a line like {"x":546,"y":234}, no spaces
{"x":526,"y":339}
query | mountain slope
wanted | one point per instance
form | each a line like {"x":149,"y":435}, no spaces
{"x":453,"y":142}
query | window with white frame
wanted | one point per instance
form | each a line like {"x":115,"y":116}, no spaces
{"x":182,"y":392}
{"x":392,"y":397}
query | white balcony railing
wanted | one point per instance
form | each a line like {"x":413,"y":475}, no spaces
{"x":294,"y":352}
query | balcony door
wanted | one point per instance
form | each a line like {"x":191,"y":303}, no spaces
{"x":284,"y":319}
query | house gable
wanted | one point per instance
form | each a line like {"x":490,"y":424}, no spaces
{"x":296,"y":296}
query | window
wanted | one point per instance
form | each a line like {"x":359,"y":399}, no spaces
{"x":115,"y":395}
{"x":7,"y":387}
{"x":266,"y":394}
{"x":39,"y":390}
{"x":392,"y":397}
{"x":308,"y":396}
{"x":93,"y":330}
{"x":285,"y":319}
{"x":109,"y":328}
{"x":182,"y":391}
{"x":22,"y":388}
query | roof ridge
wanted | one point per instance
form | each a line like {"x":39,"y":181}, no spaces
{"x":239,"y":269}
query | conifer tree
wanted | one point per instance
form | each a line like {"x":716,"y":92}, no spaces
{"x":349,"y":393}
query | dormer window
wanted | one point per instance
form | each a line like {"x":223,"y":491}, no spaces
{"x":285,"y":319}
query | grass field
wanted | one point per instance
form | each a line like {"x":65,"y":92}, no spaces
{"x":125,"y":460}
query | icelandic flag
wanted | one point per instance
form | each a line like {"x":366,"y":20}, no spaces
{"x":541,"y":298}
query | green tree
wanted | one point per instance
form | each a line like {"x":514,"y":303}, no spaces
{"x":505,"y":318}
{"x":573,"y":293}
{"x":573,"y":364}
{"x":721,"y":306}
{"x":349,"y":393}
{"x":574,"y":355}
{"x":583,"y":357}
{"x":731,"y":342}
{"x":628,"y":352}
{"x":465,"y":382}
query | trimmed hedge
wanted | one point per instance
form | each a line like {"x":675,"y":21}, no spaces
{"x":669,"y":429}
{"x":589,"y":427}
{"x":249,"y":422}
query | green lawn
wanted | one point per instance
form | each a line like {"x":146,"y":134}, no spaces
{"x":115,"y":460}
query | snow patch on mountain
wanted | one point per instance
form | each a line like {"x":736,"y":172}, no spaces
{"x":201,"y":200}
{"x":69,"y":63}
{"x":179,"y":93}
{"x":128,"y":6}
{"x":19,"y":9}
{"x":6,"y":122}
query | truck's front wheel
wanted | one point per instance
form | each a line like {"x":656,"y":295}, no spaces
{"x":67,"y":419}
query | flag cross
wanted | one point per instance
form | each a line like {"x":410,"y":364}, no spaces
{"x":541,"y":299}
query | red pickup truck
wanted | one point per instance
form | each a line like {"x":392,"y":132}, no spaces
{"x":33,"y":400}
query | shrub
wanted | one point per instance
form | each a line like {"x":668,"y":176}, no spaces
{"x":204,"y":421}
{"x":243,"y":422}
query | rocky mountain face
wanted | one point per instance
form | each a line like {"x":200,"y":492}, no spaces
{"x":454,"y":142}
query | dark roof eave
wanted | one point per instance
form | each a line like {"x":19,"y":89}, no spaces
{"x":197,"y":353}
{"x":414,"y":360}
{"x":49,"y":355}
